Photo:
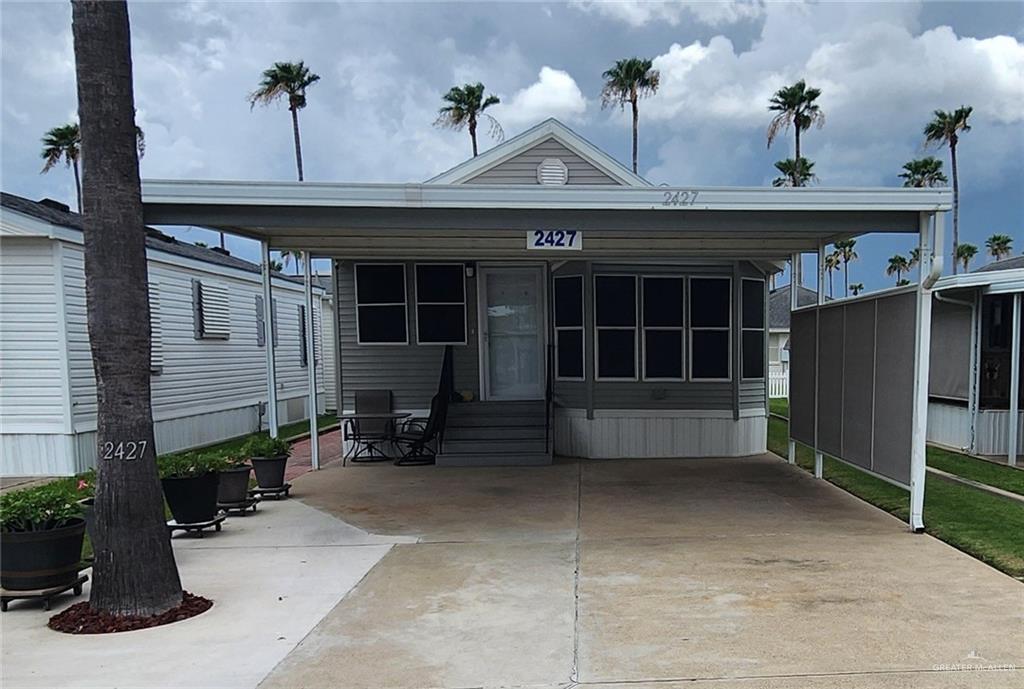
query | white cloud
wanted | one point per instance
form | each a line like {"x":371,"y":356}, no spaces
{"x":880,"y":82}
{"x":637,"y":13}
{"x":554,"y":94}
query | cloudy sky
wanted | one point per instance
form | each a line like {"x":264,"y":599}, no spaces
{"x":882,"y":67}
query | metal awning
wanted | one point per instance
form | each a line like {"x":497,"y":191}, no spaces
{"x":484,"y":221}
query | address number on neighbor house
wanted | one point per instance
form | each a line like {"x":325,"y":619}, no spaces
{"x":564,"y":240}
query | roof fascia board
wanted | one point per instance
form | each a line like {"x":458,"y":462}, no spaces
{"x":573,"y":197}
{"x":528,"y":139}
{"x":17,"y":224}
{"x":990,"y":282}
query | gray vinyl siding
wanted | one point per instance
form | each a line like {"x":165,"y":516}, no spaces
{"x":522,"y":168}
{"x":409,"y":371}
{"x":658,"y":395}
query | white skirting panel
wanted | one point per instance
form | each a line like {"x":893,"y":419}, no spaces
{"x":949,"y":425}
{"x":993,"y":431}
{"x":37,"y":454}
{"x":639,"y":434}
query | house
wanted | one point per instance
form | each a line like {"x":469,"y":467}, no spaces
{"x":589,"y":312}
{"x":779,"y":309}
{"x":208,"y":361}
{"x":975,"y":397}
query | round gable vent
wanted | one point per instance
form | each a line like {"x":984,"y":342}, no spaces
{"x":552,"y":171}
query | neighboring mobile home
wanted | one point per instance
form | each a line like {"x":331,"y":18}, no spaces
{"x":208,"y":361}
{"x":590,"y":312}
{"x":975,"y":397}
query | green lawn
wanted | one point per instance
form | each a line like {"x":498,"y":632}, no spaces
{"x":978,"y":470}
{"x":985,"y":526}
{"x":780,"y":406}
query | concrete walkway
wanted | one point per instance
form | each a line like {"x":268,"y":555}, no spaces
{"x":272,"y":575}
{"x":657,"y":574}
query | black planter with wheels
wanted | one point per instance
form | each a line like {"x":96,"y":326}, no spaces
{"x":41,"y":559}
{"x":193,"y":499}
{"x":234,"y":485}
{"x":269,"y":470}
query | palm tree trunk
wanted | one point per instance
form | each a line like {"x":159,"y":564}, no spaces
{"x":956,"y":203}
{"x":134,"y":572}
{"x":796,"y":168}
{"x":298,"y":143}
{"x":636,"y":118}
{"x":78,"y":183}
{"x":472,"y":135}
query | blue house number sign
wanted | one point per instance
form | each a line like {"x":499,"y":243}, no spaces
{"x":554,"y":240}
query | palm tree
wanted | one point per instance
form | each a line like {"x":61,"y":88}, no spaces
{"x":945,"y":128}
{"x":965,"y":253}
{"x":923,"y":172}
{"x":134,"y":572}
{"x":794,"y":173}
{"x":846,"y":251}
{"x":465,"y":106}
{"x":288,"y":256}
{"x":832,"y":264}
{"x":286,"y":79}
{"x":796,"y":108}
{"x":898,"y":265}
{"x":63,"y":144}
{"x":999,"y":246}
{"x":857,"y":288}
{"x":628,"y":81}
{"x":914,"y":258}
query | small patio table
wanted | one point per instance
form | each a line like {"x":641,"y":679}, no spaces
{"x":368,"y":449}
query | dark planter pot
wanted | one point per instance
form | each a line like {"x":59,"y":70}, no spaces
{"x":234,"y":484}
{"x":41,"y":559}
{"x":269,"y":470}
{"x":192,"y":500}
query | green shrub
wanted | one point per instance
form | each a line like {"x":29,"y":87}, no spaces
{"x":39,"y":508}
{"x":265,"y":446}
{"x":189,"y":464}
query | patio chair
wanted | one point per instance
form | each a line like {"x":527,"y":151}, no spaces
{"x":368,"y":435}
{"x":416,"y":438}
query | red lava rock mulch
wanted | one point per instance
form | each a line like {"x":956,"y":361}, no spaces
{"x":81,"y":619}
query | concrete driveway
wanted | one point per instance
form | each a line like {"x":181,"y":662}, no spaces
{"x":649,"y":574}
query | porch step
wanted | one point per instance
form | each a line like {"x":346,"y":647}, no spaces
{"x":496,"y":434}
{"x":494,"y":459}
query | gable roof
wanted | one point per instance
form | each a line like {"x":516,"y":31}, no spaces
{"x":548,"y":129}
{"x":778,"y":305}
{"x":50,"y":212}
{"x":1005,"y":264}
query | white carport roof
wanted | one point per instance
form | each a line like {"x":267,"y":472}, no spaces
{"x":489,"y":221}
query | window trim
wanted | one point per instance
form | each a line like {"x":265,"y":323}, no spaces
{"x":763,"y":330}
{"x":681,"y":328}
{"x":690,"y":328}
{"x":303,"y":359}
{"x":418,"y":303}
{"x":582,"y":327}
{"x":404,"y":304}
{"x":598,"y":328}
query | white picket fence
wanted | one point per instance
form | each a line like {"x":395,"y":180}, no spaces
{"x":778,"y":384}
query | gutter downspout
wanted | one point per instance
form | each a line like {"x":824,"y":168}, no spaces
{"x":1012,"y":441}
{"x":931,"y":269}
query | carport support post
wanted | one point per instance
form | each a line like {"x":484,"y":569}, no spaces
{"x":931,"y":268}
{"x":1012,"y":441}
{"x":819,"y":459}
{"x":794,"y":301}
{"x":314,"y":436}
{"x":268,"y":338}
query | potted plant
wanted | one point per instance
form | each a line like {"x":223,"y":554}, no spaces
{"x":234,"y":480}
{"x":269,"y":456}
{"x":41,"y":533}
{"x":190,"y":481}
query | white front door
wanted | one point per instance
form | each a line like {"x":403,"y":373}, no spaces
{"x":512,"y":332}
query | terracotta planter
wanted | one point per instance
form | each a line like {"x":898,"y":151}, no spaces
{"x":269,"y":470}
{"x":41,"y":559}
{"x":234,"y":485}
{"x":192,"y":500}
